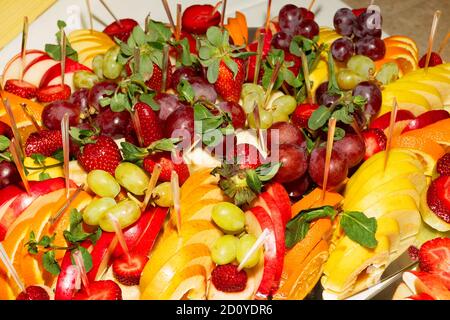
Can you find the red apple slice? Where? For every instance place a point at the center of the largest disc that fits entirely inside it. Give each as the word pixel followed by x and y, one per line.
pixel 12 68
pixel 35 72
pixel 101 254
pixel 426 119
pixel 258 219
pixel 382 122
pixel 282 200
pixel 53 74
pixel 36 60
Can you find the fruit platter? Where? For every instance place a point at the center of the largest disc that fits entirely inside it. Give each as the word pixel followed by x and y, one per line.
pixel 199 159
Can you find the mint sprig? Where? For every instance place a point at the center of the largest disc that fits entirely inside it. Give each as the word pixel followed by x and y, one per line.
pixel 54 50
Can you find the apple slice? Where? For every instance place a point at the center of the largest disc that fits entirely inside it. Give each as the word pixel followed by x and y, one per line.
pixel 53 74
pixel 382 122
pixel 278 192
pixel 12 68
pixel 101 254
pixel 257 219
pixel 35 72
pixel 426 119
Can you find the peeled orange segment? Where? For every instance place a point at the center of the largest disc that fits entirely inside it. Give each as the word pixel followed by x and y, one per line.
pixel 314 200
pixel 438 132
pixel 407 100
pixel 429 92
pixel 429 151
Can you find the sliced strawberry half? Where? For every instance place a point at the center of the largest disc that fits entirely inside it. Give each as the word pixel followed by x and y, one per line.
pixel 127 269
pixel 54 93
pixel 434 257
pixel 100 290
pixel 121 29
pixel 438 197
pixel 443 165
pixel 431 285
pixel 375 141
pixel 21 88
pixel 435 59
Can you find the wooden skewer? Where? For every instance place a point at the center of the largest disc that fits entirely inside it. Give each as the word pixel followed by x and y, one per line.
pixel 269 6
pixel 165 68
pixel 147 21
pixel 178 26
pixel 256 246
pixel 66 151
pixel 30 116
pixel 224 10
pixel 258 58
pixel 13 148
pixel 390 132
pixel 63 209
pixel 443 43
pixel 305 68
pixel 176 200
pixel 272 83
pixel 137 127
pixel 169 15
pixel 14 128
pixel 437 15
pixel 119 235
pixel 330 142
pixel 151 185
pixel 111 12
pixel 12 271
pixel 78 258
pixel 311 4
pixel 137 60
pixel 23 50
pixel 256 115
pixel 63 57
pixel 91 18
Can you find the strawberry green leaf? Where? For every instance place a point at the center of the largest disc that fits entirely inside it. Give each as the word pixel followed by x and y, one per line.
pixel 157 31
pixel 253 181
pixel 215 36
pixel 132 153
pixel 186 91
pixel 267 171
pixel 138 35
pixel 213 71
pixel 148 98
pixel 232 65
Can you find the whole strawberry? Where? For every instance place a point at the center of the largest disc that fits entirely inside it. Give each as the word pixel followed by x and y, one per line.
pixel 443 165
pixel 156 81
pixel 302 113
pixel 167 166
pixel 225 63
pixel 44 142
pixel 99 153
pixel 149 123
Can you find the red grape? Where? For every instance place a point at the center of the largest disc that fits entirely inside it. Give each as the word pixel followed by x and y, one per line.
pixel 55 111
pixel 307 28
pixel 238 116
pixel 374 48
pixel 168 103
pixel 294 162
pixel 338 167
pixel 306 14
pixel 180 123
pixel 113 124
pixel 297 188
pixel 5 130
pixel 342 49
pixel 282 40
pixel 323 97
pixel 99 91
pixel 362 29
pixel 80 98
pixel 284 133
pixel 183 73
pixel 351 148
pixel 289 18
pixel 203 89
pixel 8 174
pixel 343 22
pixel 372 93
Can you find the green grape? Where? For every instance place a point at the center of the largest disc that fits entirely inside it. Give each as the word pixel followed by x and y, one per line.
pixel 126 212
pixel 285 104
pixel 229 217
pixel 224 249
pixel 84 79
pixel 163 195
pixel 244 245
pixel 132 178
pixel 362 65
pixel 111 68
pixel 251 100
pixel 95 210
pixel 347 79
pixel 265 118
pixel 248 88
pixel 388 73
pixel 97 65
pixel 103 184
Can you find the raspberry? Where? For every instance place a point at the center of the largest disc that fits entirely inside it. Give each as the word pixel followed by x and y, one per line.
pixel 227 278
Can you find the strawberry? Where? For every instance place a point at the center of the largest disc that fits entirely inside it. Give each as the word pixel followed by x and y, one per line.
pixel 443 165
pixel 167 166
pixel 225 63
pixel 435 59
pixel 434 257
pixel 375 141
pixel 413 253
pixel 127 270
pixel 198 18
pixel 44 142
pixel 155 82
pixel 121 29
pixel 149 123
pixel 431 284
pixel 100 153
pixel 227 278
pixel 438 197
pixel 21 88
pixel 246 156
pixel 100 290
pixel 358 12
pixel 253 47
pixel 34 293
pixel 302 114
pixel 53 93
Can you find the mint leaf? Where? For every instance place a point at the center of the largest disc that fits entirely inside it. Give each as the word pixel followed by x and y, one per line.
pixel 44 176
pixel 4 143
pixel 87 258
pixel 358 227
pixel 38 158
pixel 50 263
pixel 319 118
pixel 76 232
pixel 253 181
pixel 267 171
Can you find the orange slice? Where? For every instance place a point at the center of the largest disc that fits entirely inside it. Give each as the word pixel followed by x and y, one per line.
pixel 406 60
pixel 400 44
pixel 407 40
pixel 438 132
pixel 314 200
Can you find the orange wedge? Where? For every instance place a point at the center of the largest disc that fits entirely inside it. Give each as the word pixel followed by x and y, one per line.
pixel 314 200
pixel 400 44
pixel 406 40
pixel 438 132
pixel 429 151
